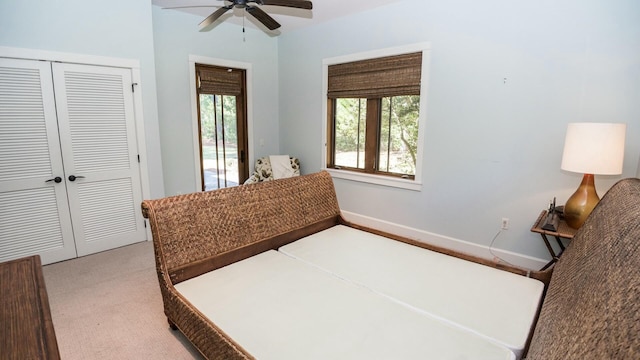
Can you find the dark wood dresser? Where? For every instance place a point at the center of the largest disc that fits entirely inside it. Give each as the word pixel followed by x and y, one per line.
pixel 26 329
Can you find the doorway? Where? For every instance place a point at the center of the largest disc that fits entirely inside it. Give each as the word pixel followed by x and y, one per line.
pixel 222 126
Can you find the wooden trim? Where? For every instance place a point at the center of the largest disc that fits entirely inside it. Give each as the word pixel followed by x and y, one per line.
pixel 242 131
pixel 201 267
pixel 543 276
pixel 371 137
pixel 199 139
pixel 198 268
pixel 330 145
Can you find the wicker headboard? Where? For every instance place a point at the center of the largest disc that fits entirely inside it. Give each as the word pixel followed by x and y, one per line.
pixel 199 232
pixel 592 306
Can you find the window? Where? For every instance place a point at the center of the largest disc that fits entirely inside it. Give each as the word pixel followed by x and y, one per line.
pixel 393 128
pixel 222 125
pixel 373 116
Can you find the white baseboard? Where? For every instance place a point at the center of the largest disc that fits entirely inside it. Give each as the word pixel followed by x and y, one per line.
pixel 524 261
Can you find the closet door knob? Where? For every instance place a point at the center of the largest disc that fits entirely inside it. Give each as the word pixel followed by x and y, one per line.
pixel 56 179
pixel 73 177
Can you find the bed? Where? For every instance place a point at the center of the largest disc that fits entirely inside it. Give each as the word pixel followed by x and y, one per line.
pixel 272 271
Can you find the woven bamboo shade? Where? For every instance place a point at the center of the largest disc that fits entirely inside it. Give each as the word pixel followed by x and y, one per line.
pixel 219 81
pixel 387 76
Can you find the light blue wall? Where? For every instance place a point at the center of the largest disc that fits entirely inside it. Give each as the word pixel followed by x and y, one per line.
pixel 118 28
pixel 176 37
pixel 493 149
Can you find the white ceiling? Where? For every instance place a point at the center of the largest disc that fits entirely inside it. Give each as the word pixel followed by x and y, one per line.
pixel 290 19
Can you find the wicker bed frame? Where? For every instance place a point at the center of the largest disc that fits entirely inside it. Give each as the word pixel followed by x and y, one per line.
pixel 200 232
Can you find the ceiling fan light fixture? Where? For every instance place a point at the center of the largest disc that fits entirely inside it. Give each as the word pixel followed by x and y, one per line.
pixel 260 15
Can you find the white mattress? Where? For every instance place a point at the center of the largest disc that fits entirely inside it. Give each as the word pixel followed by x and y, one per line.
pixel 277 307
pixel 489 302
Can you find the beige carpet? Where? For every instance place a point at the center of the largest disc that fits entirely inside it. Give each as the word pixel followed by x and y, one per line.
pixel 108 306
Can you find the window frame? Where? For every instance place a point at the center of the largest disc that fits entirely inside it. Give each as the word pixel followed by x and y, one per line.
pixel 378 178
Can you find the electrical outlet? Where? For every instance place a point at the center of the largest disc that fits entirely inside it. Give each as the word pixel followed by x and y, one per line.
pixel 505 224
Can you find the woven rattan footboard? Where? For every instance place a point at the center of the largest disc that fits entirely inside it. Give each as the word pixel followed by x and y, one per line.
pixel 200 232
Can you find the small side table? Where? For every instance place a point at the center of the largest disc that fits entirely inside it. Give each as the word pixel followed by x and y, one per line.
pixel 564 232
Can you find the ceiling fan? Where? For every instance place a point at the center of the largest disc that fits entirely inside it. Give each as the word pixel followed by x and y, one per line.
pixel 251 8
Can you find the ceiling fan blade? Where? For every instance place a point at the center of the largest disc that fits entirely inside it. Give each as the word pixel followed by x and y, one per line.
pixel 300 4
pixel 263 17
pixel 213 17
pixel 189 6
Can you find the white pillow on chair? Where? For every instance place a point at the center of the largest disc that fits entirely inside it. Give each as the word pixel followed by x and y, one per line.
pixel 281 166
pixel 265 172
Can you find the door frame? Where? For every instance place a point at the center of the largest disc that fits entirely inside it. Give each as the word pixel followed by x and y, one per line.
pixel 131 64
pixel 195 126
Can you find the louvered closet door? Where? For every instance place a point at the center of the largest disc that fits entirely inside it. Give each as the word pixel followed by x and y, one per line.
pixel 34 213
pixel 98 140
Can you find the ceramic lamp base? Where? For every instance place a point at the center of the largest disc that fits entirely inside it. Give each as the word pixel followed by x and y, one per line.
pixel 581 203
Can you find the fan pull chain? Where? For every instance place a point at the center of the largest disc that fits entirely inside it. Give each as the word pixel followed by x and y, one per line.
pixel 244 39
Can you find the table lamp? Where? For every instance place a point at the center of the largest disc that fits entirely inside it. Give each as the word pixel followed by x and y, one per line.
pixel 591 149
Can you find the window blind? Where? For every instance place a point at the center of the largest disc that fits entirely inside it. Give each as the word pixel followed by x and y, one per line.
pixel 219 81
pixel 386 76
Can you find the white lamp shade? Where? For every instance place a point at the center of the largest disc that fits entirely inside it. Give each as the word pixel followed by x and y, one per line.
pixel 594 148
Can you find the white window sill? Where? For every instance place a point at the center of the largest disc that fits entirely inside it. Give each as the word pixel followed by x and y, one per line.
pixel 376 179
